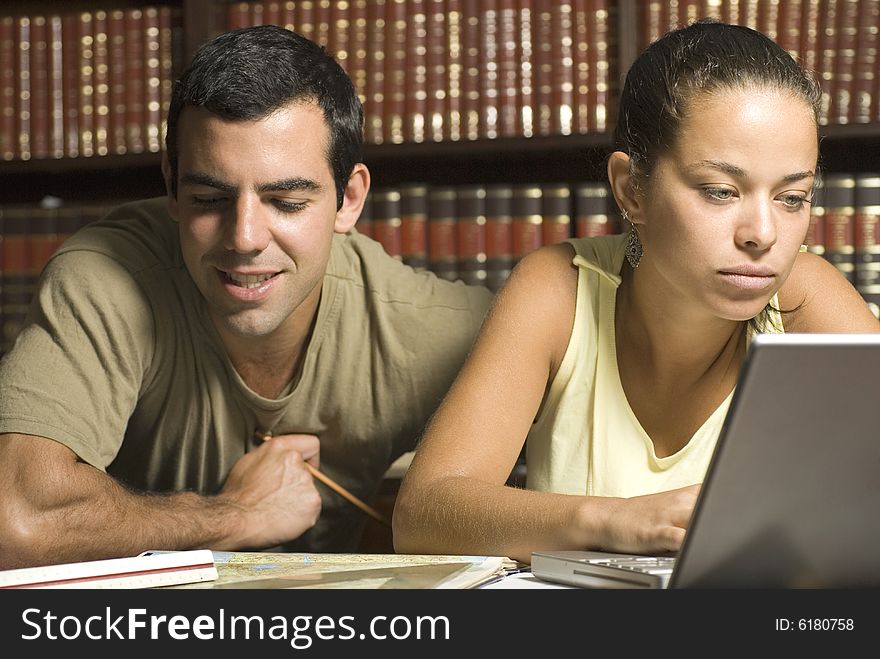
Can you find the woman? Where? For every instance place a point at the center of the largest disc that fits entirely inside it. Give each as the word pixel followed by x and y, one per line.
pixel 616 357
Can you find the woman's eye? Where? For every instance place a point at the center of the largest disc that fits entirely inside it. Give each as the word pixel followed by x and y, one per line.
pixel 794 201
pixel 719 194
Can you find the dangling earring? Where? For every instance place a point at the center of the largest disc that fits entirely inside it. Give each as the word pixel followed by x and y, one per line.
pixel 633 243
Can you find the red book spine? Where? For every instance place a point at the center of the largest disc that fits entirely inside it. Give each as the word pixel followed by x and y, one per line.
pixel 101 56
pixel 8 87
pixel 839 201
pixel 386 221
pixel 340 32
pixel 748 13
pixel 70 82
pixel 39 83
pixel 768 19
pixel 56 87
pixel 865 76
pixel 15 255
pixel 525 75
pixel 827 57
pixel 23 87
pixel 543 69
pixel 847 36
pixel 499 234
pixel 356 66
pixel 305 18
pixel 526 228
pixel 601 64
pixel 134 81
pixel 152 80
pixel 375 105
pixel 395 71
pixel 809 41
pixel 653 23
pixel 471 81
pixel 442 238
pixel 488 55
pixel 454 69
pixel 238 14
pixel 581 65
pixel 815 238
pixel 86 84
pixel 591 210
pixel 288 15
pixel 508 55
pixel 867 238
pixel 415 88
pixel 472 268
pixel 556 212
pixel 414 224
pixel 272 12
pixel 322 23
pixel 435 67
pixel 562 61
pixel 118 73
pixel 789 30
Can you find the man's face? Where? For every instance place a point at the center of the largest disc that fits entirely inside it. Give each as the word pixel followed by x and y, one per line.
pixel 256 204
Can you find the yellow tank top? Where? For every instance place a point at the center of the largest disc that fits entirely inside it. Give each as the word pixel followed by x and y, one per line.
pixel 587 440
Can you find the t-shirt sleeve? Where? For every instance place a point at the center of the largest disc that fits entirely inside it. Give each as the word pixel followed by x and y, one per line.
pixel 77 366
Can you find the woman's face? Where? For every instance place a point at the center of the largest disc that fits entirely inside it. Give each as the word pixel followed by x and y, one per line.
pixel 727 208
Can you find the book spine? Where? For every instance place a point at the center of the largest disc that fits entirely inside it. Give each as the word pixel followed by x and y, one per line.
pixel 375 105
pixel 116 140
pixel 591 210
pixel 86 97
pixel 789 31
pixel 15 255
pixel 839 202
pixel 152 80
pixel 442 238
pixel 39 84
pixel 386 221
pixel 581 63
pixel 322 24
pixel 358 52
pixel 847 36
pixel 865 76
pixel 809 37
pixel 414 224
pixel 827 58
pixel 23 87
pixel 416 89
pixel 768 19
pixel 601 65
pixel 56 87
pixel 525 80
pixel 454 69
pixel 272 12
pixel 543 69
pixel 556 211
pixel 499 234
pixel 489 69
pixel 70 81
pixel 340 31
pixel 305 18
pixel 472 268
pixel 395 71
pixel 435 66
pixel 653 24
pixel 471 82
pixel 507 51
pixel 526 228
pixel 238 15
pixel 815 238
pixel 562 63
pixel 170 51
pixel 867 238
pixel 748 13
pixel 134 81
pixel 8 87
pixel 101 57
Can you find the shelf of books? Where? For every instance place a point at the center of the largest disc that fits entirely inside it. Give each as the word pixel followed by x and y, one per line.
pixel 487 122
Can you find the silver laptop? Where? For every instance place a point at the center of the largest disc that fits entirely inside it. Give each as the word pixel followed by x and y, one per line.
pixel 791 498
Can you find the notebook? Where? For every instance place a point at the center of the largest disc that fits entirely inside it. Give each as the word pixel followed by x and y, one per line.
pixel 791 498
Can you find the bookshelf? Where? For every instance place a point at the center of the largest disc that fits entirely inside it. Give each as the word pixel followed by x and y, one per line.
pixel 504 92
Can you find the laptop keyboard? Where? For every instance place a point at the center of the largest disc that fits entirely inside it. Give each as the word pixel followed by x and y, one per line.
pixel 658 565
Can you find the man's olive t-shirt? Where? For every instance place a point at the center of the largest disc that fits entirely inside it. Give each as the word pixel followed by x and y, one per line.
pixel 120 362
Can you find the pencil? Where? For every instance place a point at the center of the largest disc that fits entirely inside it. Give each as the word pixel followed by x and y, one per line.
pixel 336 487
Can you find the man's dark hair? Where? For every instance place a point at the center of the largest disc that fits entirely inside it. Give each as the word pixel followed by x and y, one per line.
pixel 246 74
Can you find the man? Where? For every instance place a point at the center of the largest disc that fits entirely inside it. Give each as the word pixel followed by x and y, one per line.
pixel 166 339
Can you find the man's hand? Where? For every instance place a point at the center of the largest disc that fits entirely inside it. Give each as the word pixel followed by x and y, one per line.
pixel 275 491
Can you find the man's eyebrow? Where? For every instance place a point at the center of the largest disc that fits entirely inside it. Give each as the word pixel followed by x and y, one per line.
pixel 739 172
pixel 291 185
pixel 198 178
